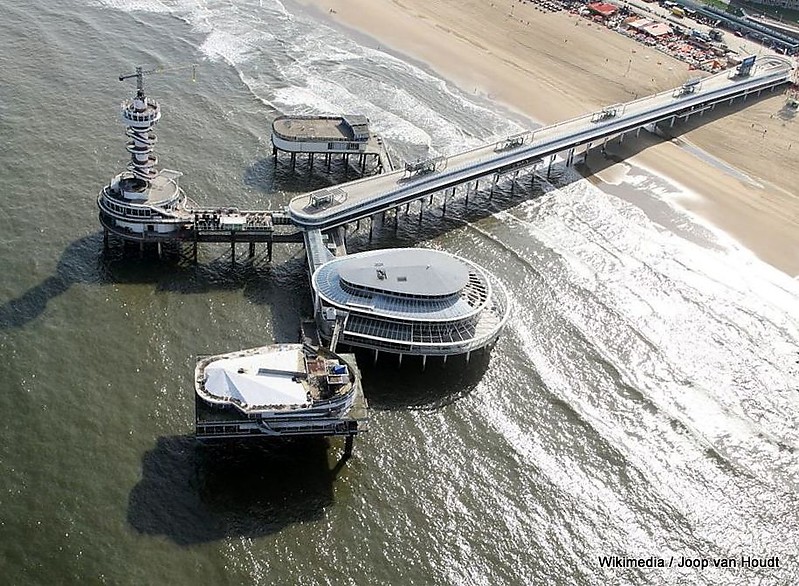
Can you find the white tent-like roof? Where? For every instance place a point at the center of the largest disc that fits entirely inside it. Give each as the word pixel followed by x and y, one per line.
pixel 243 381
pixel 658 29
pixel 640 24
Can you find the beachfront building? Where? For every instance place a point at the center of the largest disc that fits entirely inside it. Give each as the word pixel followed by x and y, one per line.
pixel 408 301
pixel 603 9
pixel 650 27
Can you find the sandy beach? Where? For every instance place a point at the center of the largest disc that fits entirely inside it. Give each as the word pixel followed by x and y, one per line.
pixel 552 66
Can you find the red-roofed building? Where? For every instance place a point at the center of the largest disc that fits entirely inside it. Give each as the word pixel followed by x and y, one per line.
pixel 603 9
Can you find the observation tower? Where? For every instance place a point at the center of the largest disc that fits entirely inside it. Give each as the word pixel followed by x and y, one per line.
pixel 143 203
pixel 409 301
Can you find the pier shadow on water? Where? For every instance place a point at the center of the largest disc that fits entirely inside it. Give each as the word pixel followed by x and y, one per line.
pixel 195 493
pixel 79 263
pixel 85 261
pixel 267 177
pixel 389 386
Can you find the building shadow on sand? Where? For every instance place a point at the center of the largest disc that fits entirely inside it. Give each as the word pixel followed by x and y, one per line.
pixel 193 493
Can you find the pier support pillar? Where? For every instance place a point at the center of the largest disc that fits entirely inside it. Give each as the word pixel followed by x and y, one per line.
pixel 730 102
pixel 638 132
pixel 141 249
pixel 400 360
pixel 671 122
pixel 310 161
pixel 493 185
pixel 252 249
pixel 549 167
pixel 377 353
pixel 194 251
pixel 468 355
pixel 274 156
pixel 232 249
pixel 621 138
pixel 348 444
pixel 371 226
pixel 444 205
pixel 424 361
pixel 158 248
pixel 363 164
pixel 293 160
pixel 269 251
pixel 445 358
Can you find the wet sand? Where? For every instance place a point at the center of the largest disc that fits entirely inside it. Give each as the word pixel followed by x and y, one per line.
pixel 552 66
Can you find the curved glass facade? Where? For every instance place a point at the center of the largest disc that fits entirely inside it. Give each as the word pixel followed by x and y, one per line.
pixel 410 318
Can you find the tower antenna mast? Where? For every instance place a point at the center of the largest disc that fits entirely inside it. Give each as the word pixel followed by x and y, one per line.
pixel 140 73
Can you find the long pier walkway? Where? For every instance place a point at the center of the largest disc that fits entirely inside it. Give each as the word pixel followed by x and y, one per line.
pixel 335 206
pixel 217 225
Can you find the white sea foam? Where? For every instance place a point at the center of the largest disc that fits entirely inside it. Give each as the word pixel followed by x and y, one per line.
pixel 739 321
pixel 298 66
pixel 156 6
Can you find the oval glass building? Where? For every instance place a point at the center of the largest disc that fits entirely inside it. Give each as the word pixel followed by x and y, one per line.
pixel 409 301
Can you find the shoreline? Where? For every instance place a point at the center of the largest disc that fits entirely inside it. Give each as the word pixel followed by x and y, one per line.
pixel 476 44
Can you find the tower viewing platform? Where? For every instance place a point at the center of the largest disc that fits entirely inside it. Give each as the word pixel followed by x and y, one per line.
pixel 142 199
pixel 145 204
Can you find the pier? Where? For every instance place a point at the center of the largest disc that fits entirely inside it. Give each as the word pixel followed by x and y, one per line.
pixel 415 302
pixel 145 206
pixel 219 225
pixel 570 140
